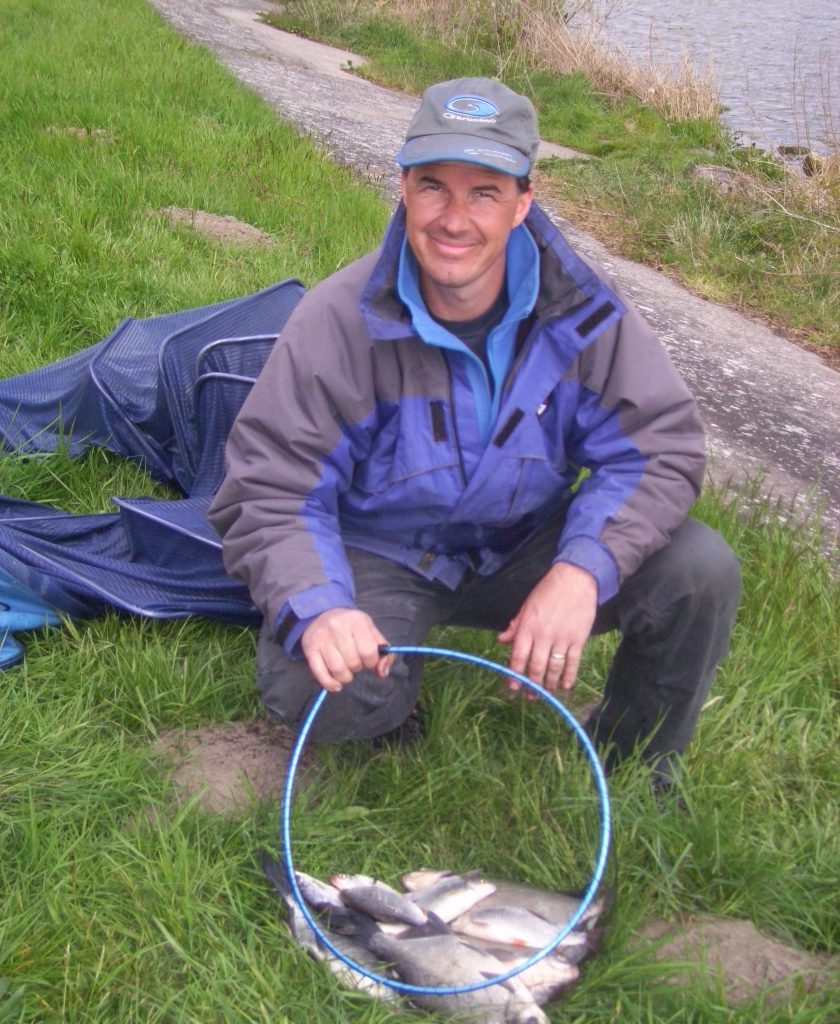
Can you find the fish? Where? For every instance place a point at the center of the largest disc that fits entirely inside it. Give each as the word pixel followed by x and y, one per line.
pixel 447 930
pixel 342 880
pixel 512 926
pixel 488 918
pixel 422 878
pixel 320 895
pixel 545 979
pixel 452 895
pixel 304 935
pixel 556 907
pixel 441 961
pixel 384 903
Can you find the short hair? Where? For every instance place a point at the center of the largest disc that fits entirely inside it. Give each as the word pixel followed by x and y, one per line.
pixel 523 183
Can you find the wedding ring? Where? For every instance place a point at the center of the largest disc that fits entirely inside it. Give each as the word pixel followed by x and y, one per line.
pixel 559 657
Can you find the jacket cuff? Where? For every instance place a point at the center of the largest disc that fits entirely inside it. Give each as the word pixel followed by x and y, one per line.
pixel 588 554
pixel 301 609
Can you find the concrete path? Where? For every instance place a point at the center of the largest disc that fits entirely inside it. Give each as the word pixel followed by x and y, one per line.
pixel 772 410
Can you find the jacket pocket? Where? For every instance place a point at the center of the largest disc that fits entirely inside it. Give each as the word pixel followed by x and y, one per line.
pixel 412 454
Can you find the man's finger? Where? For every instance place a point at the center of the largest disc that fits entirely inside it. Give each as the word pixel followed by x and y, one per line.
pixel 323 676
pixel 570 669
pixel 384 665
pixel 554 671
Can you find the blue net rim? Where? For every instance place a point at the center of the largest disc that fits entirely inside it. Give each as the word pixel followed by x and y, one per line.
pixel 588 894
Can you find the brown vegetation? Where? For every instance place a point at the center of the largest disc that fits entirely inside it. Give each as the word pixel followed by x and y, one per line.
pixel 558 37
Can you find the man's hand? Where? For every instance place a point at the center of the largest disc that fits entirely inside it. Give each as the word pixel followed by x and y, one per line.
pixel 548 633
pixel 341 642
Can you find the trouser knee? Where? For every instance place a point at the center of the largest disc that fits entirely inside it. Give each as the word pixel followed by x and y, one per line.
pixel 691 587
pixel 706 567
pixel 367 707
pixel 675 615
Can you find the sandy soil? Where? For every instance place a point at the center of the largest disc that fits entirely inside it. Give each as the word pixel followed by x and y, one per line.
pixel 219 228
pixel 231 767
pixel 736 958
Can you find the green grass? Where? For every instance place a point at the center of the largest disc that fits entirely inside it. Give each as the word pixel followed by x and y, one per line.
pixel 81 244
pixel 771 249
pixel 118 904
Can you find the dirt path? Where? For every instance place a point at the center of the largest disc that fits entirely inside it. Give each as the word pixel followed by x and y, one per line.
pixel 771 409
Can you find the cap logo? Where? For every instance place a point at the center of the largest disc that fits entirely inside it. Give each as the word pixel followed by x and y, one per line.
pixel 471 106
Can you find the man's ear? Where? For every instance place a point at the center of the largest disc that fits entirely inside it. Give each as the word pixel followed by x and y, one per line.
pixel 403 182
pixel 524 205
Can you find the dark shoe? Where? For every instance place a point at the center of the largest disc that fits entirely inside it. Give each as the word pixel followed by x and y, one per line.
pixel 405 735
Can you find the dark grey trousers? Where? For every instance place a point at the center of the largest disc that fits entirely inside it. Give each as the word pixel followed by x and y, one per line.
pixel 675 615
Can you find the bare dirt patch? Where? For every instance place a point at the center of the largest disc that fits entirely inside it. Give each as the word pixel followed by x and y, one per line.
pixel 97 134
pixel 219 228
pixel 737 956
pixel 230 767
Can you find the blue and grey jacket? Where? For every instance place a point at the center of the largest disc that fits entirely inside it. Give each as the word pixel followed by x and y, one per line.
pixel 373 427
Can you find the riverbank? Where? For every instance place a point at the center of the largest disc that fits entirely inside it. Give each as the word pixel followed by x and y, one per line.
pixel 751 234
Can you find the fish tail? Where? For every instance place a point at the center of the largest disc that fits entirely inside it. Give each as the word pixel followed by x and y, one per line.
pixel 273 871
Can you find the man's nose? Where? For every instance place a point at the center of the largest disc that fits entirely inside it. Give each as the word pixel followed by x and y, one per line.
pixel 455 215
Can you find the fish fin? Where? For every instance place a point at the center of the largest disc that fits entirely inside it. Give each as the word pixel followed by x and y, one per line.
pixel 436 924
pixel 433 925
pixel 514 985
pixel 364 928
pixel 608 897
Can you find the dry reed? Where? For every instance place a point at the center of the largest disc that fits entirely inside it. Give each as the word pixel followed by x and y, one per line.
pixel 560 38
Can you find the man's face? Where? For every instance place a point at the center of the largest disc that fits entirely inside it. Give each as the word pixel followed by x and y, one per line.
pixel 458 218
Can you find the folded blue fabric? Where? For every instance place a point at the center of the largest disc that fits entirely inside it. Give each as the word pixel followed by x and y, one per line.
pixel 162 391
pixel 20 608
pixel 11 652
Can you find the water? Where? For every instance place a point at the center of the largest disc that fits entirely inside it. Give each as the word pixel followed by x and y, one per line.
pixel 777 62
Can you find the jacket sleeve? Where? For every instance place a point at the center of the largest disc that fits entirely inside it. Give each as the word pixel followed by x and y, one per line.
pixel 638 433
pixel 290 455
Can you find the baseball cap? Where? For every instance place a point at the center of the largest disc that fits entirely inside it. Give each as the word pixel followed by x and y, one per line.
pixel 475 121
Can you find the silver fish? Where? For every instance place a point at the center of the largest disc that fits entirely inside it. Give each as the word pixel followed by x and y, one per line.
pixel 556 907
pixel 493 926
pixel 512 926
pixel 319 895
pixel 303 934
pixel 443 961
pixel 383 903
pixel 342 880
pixel 452 895
pixel 423 878
pixel 545 980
